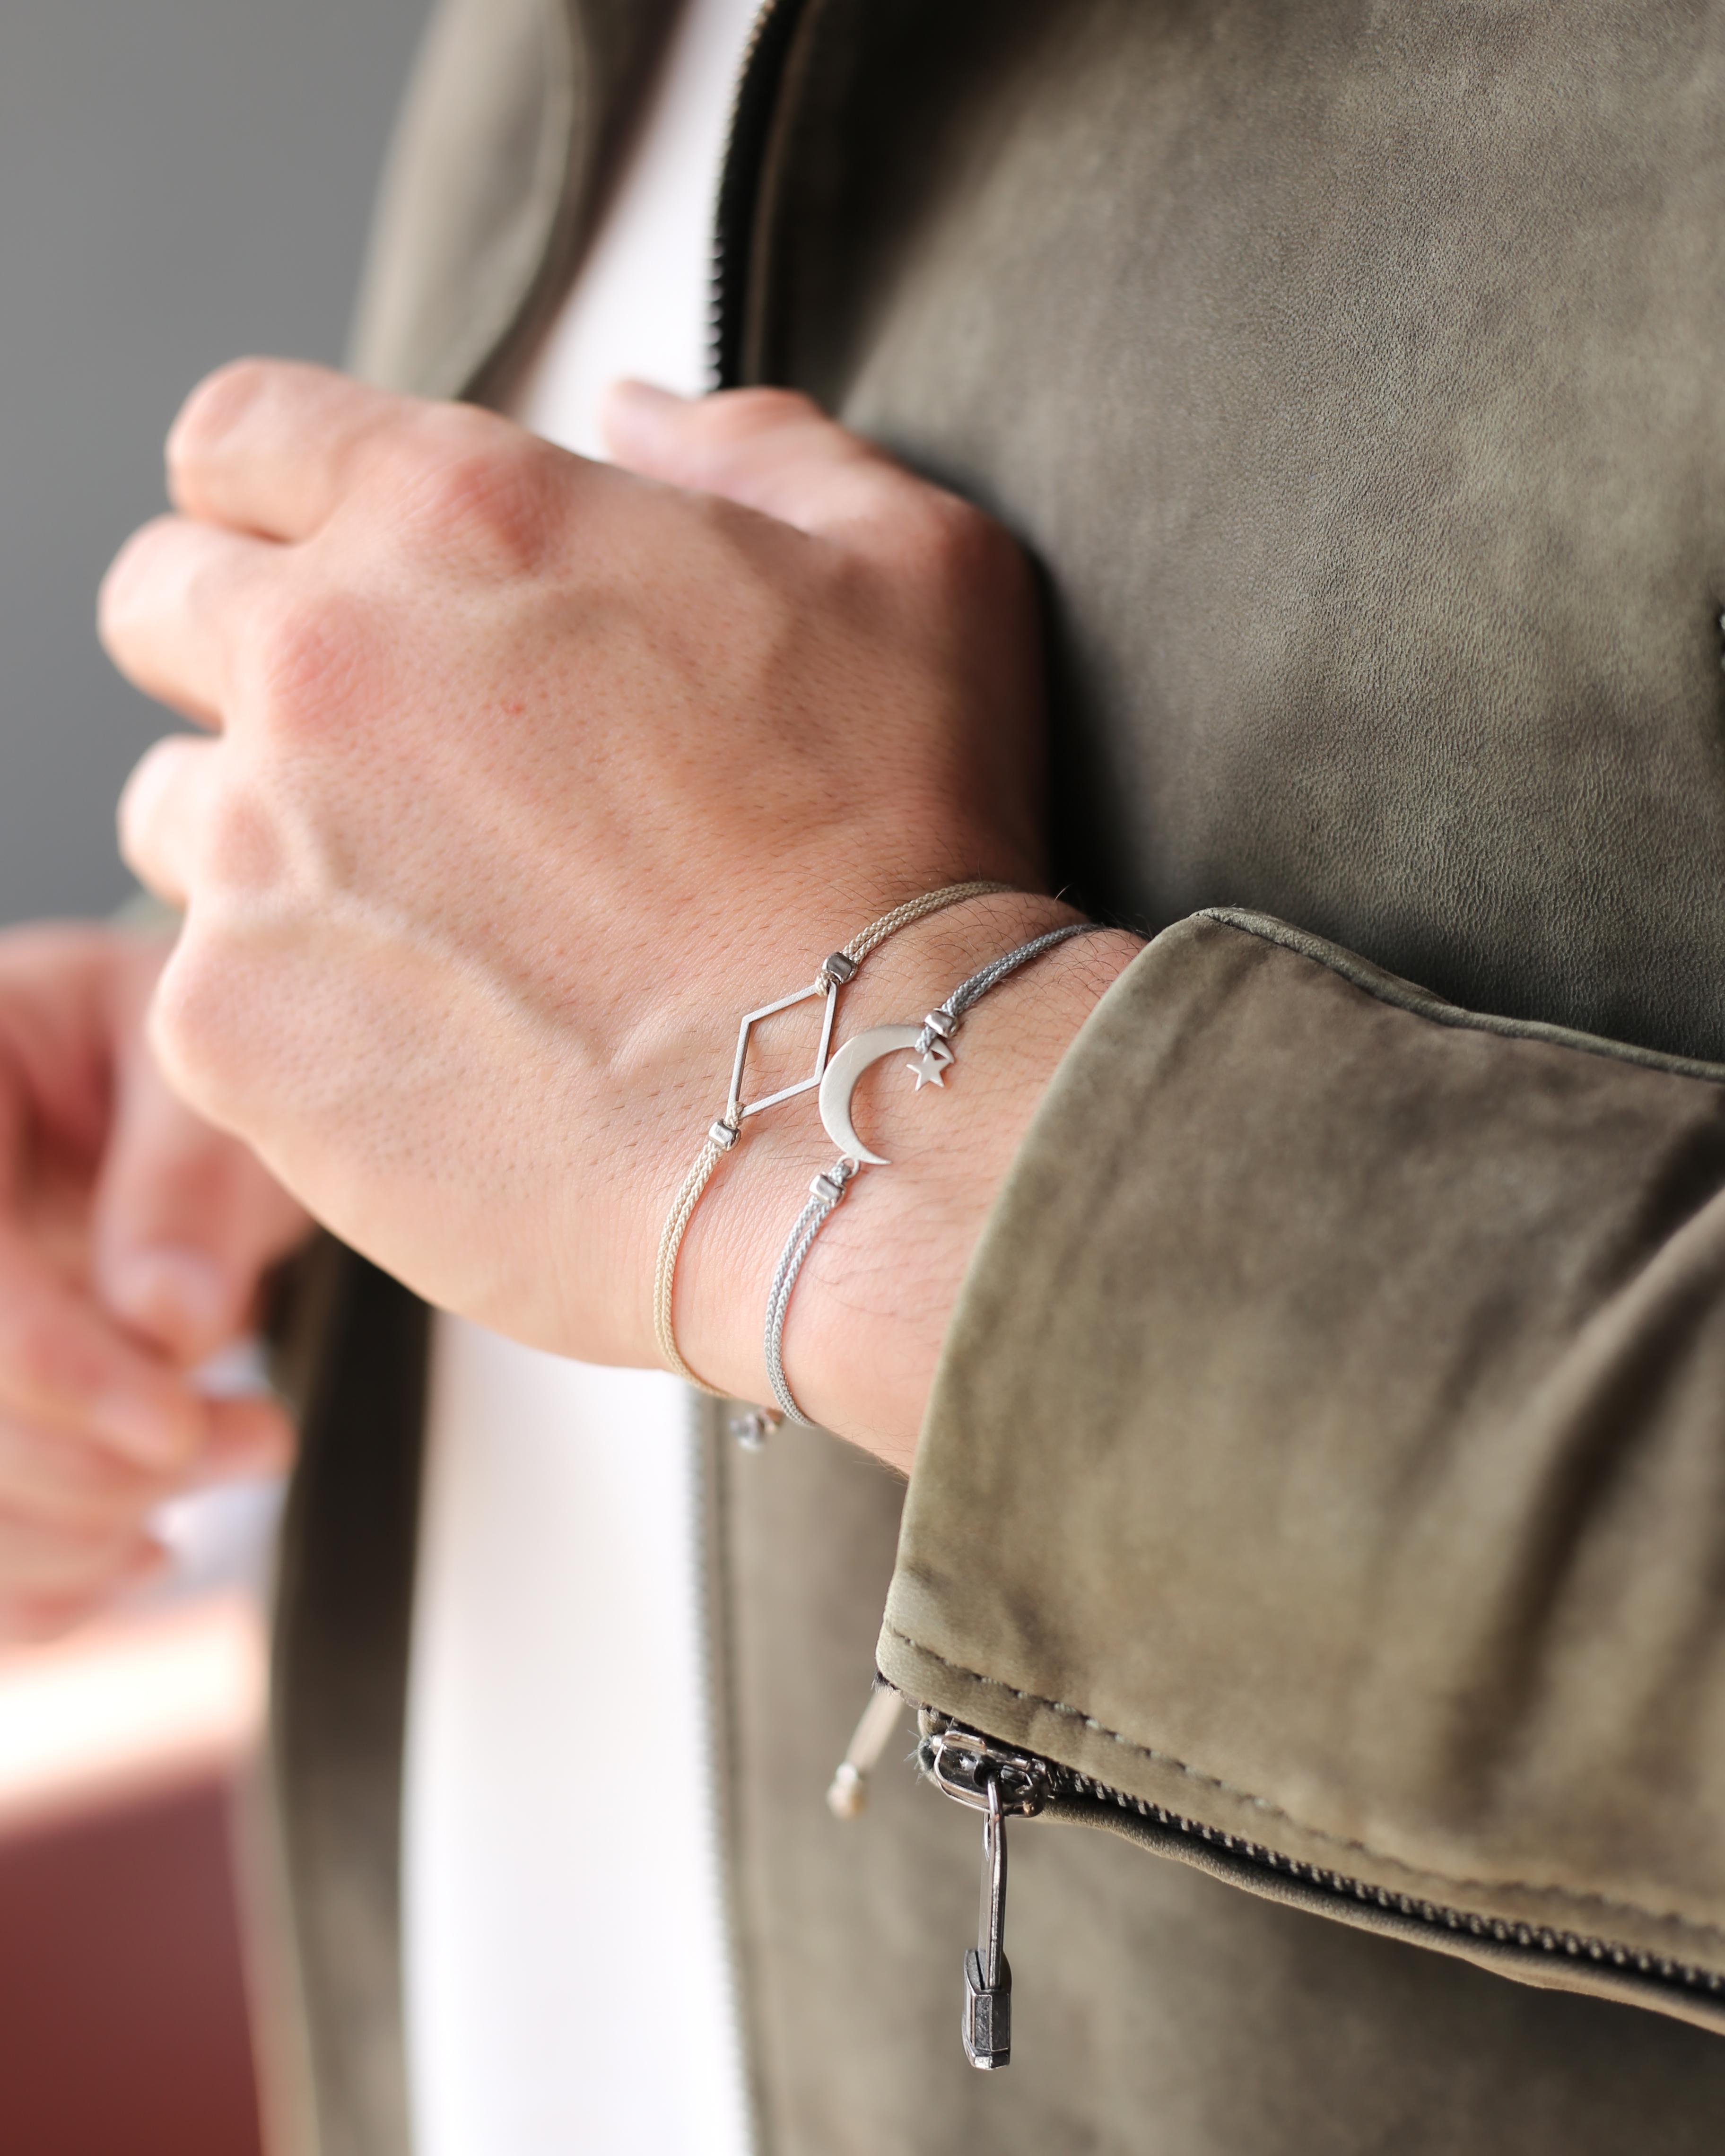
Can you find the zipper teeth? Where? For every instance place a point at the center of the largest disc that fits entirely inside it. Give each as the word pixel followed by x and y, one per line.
pixel 752 105
pixel 1577 1946
pixel 1580 1946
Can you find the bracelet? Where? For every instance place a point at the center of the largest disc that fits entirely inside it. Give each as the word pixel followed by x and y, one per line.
pixel 835 971
pixel 934 1056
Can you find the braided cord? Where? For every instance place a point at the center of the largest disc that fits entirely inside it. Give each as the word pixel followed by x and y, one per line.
pixel 664 1273
pixel 990 976
pixel 693 1186
pixel 827 1191
pixel 916 909
pixel 826 1195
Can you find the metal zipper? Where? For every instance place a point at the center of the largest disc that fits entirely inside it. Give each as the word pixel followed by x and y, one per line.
pixel 986 1777
pixel 1002 1782
pixel 751 115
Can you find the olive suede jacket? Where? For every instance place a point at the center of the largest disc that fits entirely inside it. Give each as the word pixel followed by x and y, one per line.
pixel 1326 1472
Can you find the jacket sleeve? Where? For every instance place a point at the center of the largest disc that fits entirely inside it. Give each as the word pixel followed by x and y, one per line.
pixel 1326 1465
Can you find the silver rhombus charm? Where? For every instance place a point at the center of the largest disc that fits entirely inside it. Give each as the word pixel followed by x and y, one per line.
pixel 826 987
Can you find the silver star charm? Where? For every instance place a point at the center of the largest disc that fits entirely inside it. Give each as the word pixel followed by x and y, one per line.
pixel 929 1069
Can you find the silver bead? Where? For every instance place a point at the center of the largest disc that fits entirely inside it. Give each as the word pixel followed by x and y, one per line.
pixel 724 1135
pixel 837 970
pixel 941 1023
pixel 753 1427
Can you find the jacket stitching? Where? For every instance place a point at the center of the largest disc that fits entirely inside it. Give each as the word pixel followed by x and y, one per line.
pixel 1408 996
pixel 1317 1833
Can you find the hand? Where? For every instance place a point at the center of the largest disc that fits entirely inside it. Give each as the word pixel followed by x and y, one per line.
pixel 532 774
pixel 132 1239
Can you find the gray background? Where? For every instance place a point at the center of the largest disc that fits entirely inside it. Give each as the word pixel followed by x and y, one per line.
pixel 180 181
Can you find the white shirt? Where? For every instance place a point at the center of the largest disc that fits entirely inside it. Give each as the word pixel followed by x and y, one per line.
pixel 568 1968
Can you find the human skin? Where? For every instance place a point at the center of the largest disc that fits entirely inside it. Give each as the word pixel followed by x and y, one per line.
pixel 132 1241
pixel 529 775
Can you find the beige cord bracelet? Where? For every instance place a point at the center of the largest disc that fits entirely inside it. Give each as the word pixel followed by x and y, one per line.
pixel 835 971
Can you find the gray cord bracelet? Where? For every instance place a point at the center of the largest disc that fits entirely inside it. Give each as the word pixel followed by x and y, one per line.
pixel 931 1044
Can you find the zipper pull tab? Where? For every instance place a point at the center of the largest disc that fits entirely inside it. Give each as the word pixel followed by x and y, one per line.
pixel 848 1792
pixel 988 1973
pixel 1000 1783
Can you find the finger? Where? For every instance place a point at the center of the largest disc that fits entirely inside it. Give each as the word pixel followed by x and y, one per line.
pixel 32 1620
pixel 65 1365
pixel 187 1220
pixel 39 1561
pixel 161 811
pixel 172 605
pixel 270 446
pixel 769 449
pixel 64 1478
pixel 64 1481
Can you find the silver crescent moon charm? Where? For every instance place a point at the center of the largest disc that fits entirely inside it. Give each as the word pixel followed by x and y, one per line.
pixel 839 1083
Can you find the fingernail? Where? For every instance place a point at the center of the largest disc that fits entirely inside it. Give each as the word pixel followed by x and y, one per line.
pixel 175 1296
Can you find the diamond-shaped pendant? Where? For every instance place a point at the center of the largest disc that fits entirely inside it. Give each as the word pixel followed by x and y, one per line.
pixel 826 991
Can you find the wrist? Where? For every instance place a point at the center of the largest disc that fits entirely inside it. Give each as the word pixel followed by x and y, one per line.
pixel 875 1297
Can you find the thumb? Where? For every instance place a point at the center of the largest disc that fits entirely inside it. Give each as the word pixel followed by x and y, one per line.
pixel 768 449
pixel 186 1220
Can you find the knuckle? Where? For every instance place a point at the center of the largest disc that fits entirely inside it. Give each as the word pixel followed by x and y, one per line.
pixel 239 849
pixel 301 653
pixel 484 497
pixel 958 554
